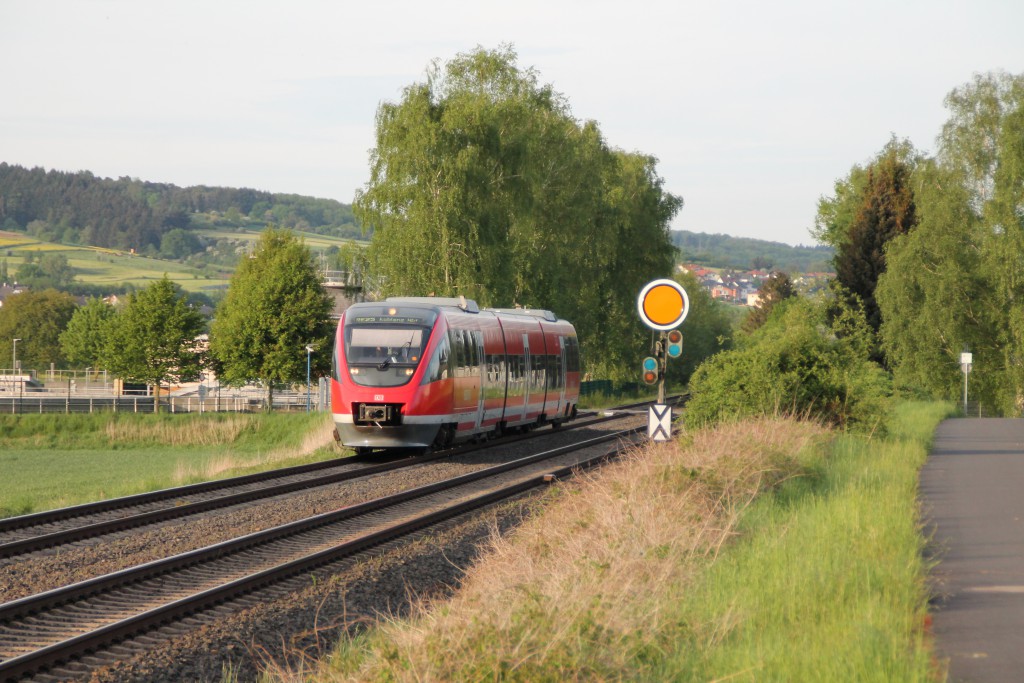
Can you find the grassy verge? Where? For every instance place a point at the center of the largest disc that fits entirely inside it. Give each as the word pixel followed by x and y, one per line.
pixel 600 400
pixel 765 550
pixel 828 582
pixel 52 461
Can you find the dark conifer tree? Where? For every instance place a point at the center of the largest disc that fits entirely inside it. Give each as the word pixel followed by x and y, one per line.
pixel 777 288
pixel 887 210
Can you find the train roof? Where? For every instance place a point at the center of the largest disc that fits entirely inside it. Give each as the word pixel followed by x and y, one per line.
pixel 470 306
pixel 532 312
pixel 461 302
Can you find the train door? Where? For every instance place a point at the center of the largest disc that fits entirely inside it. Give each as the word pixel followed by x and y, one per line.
pixel 466 362
pixel 562 373
pixel 521 399
pixel 528 378
pixel 481 370
pixel 514 376
pixel 555 375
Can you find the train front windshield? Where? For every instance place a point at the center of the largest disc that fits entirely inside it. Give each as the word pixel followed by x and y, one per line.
pixel 380 354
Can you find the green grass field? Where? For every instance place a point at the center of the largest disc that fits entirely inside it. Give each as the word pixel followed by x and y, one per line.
pixel 314 241
pixel 51 461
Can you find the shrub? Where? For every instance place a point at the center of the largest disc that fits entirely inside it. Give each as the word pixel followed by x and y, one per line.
pixel 795 364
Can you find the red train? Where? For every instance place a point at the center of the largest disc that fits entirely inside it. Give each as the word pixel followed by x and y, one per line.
pixel 431 371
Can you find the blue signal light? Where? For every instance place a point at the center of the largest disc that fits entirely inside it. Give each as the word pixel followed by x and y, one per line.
pixel 675 343
pixel 650 364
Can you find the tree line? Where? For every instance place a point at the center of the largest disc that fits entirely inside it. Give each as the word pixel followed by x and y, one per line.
pixel 954 281
pixel 483 184
pixel 275 307
pixel 928 261
pixel 81 208
pixel 744 253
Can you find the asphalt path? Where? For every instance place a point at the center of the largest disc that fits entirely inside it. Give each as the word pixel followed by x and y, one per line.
pixel 972 491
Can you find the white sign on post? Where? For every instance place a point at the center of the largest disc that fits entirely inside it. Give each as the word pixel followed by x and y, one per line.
pixel 659 423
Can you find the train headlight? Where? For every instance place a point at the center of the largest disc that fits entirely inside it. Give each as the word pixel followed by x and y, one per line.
pixel 408 372
pixel 354 371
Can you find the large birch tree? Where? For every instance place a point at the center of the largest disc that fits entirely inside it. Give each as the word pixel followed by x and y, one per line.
pixel 955 283
pixel 483 184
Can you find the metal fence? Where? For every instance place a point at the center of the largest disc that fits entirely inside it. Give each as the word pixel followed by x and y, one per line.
pixel 38 403
pixel 977 409
pixel 76 396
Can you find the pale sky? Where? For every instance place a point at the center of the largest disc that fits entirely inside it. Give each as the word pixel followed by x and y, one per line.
pixel 754 108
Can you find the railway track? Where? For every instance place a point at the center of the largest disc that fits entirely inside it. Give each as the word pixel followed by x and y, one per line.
pixel 43 632
pixel 28 533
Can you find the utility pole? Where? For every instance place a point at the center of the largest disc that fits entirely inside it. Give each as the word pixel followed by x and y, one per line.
pixel 309 353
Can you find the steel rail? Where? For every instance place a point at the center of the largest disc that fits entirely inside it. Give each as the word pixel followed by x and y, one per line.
pixel 91 530
pixel 57 653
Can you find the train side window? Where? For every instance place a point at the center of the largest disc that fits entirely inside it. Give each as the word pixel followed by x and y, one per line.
pixel 335 371
pixel 537 371
pixel 439 367
pixel 555 372
pixel 495 369
pixel 462 354
pixel 572 354
pixel 476 343
pixel 458 357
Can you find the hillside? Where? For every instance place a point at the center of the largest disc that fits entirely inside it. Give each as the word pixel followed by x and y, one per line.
pixel 100 271
pixel 202 228
pixel 744 253
pixel 129 214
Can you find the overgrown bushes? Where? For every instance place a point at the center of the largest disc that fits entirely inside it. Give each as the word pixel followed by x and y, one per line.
pixel 798 363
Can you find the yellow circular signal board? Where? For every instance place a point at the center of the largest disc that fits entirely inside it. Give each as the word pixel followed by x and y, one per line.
pixel 663 304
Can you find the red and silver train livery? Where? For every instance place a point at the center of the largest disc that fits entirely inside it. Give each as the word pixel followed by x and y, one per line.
pixel 429 371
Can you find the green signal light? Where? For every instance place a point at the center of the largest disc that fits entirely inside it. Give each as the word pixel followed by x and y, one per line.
pixel 650 364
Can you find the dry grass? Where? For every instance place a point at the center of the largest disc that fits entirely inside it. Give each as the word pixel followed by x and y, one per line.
pixel 570 596
pixel 179 433
pixel 319 437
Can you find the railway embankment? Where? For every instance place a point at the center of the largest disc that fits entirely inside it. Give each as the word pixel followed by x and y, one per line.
pixel 768 548
pixel 761 550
